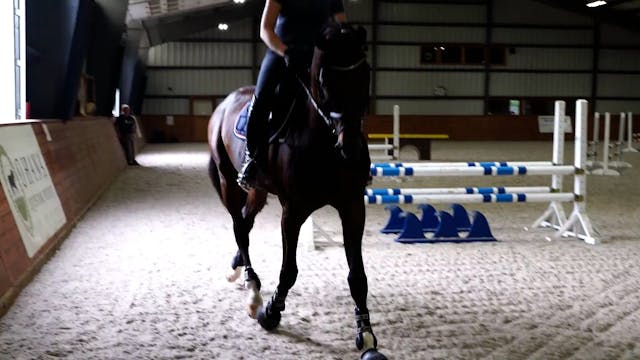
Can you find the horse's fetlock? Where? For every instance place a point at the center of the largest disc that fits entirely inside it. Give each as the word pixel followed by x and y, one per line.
pixel 251 279
pixel 277 305
pixel 277 302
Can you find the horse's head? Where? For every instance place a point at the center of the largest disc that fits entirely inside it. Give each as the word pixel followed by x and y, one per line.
pixel 340 83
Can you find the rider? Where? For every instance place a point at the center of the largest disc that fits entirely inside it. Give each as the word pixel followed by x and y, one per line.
pixel 288 28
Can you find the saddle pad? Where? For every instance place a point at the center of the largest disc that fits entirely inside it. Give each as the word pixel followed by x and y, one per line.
pixel 240 127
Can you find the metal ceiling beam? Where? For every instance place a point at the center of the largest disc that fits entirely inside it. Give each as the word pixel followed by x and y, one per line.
pixel 602 13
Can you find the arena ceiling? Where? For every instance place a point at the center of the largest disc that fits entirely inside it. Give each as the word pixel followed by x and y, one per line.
pixel 624 13
pixel 168 20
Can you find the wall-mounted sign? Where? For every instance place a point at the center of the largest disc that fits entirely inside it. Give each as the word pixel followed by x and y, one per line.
pixel 545 124
pixel 28 187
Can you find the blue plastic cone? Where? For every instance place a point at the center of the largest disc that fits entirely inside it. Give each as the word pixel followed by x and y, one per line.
pixel 447 228
pixel 480 230
pixel 395 222
pixel 460 217
pixel 412 231
pixel 429 218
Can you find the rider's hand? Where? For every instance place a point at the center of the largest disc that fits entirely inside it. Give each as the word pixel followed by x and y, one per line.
pixel 291 58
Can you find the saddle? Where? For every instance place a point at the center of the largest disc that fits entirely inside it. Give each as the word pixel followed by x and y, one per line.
pixel 287 96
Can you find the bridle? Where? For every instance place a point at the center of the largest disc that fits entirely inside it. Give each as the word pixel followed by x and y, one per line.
pixel 333 120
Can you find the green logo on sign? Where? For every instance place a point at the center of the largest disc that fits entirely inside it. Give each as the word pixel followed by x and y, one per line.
pixel 14 190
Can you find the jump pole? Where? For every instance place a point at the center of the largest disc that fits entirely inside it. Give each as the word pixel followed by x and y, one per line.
pixel 461 190
pixel 605 150
pixel 468 198
pixel 618 163
pixel 630 147
pixel 459 163
pixel 476 171
pixel 396 131
pixel 593 151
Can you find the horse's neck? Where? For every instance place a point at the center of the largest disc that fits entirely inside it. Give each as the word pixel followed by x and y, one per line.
pixel 308 128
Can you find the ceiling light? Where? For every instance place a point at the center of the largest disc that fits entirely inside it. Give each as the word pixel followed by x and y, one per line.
pixel 223 27
pixel 596 3
pixel 238 1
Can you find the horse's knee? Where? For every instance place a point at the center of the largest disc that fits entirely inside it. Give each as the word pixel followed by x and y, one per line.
pixel 357 277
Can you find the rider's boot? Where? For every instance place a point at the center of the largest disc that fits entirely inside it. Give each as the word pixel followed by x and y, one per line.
pixel 255 155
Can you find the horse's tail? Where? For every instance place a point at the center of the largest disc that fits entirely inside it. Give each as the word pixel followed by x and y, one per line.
pixel 214 175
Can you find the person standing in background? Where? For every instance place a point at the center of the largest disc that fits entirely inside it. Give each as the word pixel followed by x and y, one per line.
pixel 126 127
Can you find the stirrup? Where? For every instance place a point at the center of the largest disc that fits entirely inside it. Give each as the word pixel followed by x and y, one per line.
pixel 247 177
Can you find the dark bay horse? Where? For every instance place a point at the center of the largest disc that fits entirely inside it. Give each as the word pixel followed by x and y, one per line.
pixel 322 160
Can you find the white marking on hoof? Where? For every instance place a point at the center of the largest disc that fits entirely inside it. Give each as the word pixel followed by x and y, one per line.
pixel 367 341
pixel 233 275
pixel 254 299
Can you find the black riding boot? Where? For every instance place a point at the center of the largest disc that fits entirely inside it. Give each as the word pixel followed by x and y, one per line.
pixel 255 155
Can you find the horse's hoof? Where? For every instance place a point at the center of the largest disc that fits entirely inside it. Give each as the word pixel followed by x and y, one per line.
pixel 234 274
pixel 372 354
pixel 268 321
pixel 252 310
pixel 254 303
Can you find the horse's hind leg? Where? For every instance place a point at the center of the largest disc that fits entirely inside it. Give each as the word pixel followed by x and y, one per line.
pixel 243 210
pixel 237 263
pixel 352 216
pixel 243 219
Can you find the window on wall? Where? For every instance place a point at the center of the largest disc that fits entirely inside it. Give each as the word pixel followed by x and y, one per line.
pixel 497 55
pixel 456 54
pixel 428 54
pixel 514 107
pixel 451 55
pixel 474 55
pixel 12 62
pixel 19 45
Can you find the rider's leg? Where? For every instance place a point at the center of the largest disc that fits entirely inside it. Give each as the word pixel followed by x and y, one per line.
pixel 270 74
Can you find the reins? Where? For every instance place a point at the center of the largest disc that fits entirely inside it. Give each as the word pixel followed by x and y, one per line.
pixel 329 120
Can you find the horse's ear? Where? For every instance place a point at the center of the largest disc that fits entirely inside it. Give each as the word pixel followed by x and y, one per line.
pixel 361 34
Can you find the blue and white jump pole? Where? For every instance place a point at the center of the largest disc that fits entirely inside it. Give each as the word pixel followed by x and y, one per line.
pixel 577 225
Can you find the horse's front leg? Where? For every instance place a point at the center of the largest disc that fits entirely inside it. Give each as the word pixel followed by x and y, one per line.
pixel 269 315
pixel 352 215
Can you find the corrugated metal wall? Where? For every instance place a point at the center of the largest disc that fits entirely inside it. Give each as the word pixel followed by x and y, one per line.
pixel 211 63
pixel 550 54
